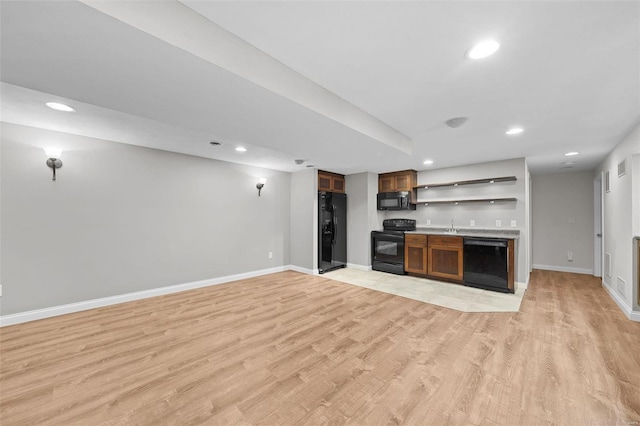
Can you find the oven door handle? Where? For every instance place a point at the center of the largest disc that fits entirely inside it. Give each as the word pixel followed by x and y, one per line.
pixel 389 237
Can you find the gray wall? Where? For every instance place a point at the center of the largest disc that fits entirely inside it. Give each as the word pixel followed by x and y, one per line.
pixel 485 215
pixel 621 220
pixel 362 217
pixel 123 218
pixel 563 221
pixel 304 220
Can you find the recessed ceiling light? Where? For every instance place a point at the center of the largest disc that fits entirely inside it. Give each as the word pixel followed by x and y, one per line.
pixel 572 153
pixel 60 107
pixel 483 49
pixel 241 149
pixel 514 131
pixel 428 162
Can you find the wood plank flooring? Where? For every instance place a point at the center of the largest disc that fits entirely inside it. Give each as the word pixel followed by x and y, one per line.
pixel 294 349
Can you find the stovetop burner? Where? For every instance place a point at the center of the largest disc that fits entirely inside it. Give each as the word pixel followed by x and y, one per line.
pixel 399 225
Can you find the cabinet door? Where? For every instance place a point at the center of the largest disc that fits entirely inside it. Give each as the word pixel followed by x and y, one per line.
pixel 338 184
pixel 415 258
pixel 445 262
pixel 386 184
pixel 404 183
pixel 324 182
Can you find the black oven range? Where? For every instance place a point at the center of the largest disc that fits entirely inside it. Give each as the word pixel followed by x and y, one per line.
pixel 387 246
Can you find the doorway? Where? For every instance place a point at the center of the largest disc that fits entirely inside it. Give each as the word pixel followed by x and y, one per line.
pixel 598 216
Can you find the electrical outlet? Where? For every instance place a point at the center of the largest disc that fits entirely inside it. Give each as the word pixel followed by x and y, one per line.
pixel 498 223
pixel 270 255
pixel 570 256
pixel 428 221
pixel 472 222
pixel 513 223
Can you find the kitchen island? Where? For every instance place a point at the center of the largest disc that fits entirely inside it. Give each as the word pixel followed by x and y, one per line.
pixel 481 258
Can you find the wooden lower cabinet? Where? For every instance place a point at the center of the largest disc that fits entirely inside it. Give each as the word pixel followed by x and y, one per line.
pixel 441 257
pixel 415 254
pixel 445 257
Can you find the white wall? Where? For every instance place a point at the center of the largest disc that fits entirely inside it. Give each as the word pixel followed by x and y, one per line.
pixel 485 215
pixel 362 217
pixel 304 220
pixel 563 222
pixel 123 218
pixel 621 221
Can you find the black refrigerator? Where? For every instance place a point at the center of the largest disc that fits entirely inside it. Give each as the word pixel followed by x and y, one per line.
pixel 332 231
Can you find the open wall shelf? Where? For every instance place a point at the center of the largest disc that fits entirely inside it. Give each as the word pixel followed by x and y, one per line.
pixel 468 201
pixel 467 182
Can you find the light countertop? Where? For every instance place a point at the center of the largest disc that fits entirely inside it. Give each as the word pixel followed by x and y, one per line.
pixel 466 232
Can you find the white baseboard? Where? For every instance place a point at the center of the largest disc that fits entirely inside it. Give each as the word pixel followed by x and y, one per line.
pixel 564 269
pixel 631 314
pixel 302 270
pixel 521 285
pixel 53 311
pixel 359 267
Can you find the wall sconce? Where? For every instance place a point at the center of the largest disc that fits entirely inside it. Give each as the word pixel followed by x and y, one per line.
pixel 53 159
pixel 260 184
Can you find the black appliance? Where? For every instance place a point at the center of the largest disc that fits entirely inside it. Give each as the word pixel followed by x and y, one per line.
pixel 486 263
pixel 332 231
pixel 387 246
pixel 395 201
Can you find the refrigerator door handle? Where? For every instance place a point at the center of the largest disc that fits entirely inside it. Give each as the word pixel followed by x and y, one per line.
pixel 335 225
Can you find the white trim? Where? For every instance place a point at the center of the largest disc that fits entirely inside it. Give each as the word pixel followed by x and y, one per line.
pixel 564 269
pixel 302 270
pixel 359 267
pixel 632 315
pixel 521 285
pixel 53 311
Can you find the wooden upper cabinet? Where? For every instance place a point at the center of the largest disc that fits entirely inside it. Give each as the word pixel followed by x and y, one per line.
pixel 330 182
pixel 397 181
pixel 338 184
pixel 445 257
pixel 386 183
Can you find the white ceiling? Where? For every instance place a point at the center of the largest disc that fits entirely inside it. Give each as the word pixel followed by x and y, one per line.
pixel 343 85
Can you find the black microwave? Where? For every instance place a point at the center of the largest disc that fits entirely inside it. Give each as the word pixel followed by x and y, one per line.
pixel 395 201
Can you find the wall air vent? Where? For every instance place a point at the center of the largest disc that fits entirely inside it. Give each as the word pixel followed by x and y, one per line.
pixel 622 286
pixel 622 168
pixel 607 183
pixel 607 264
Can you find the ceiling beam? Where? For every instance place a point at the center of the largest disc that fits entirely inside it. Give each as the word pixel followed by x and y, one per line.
pixel 182 27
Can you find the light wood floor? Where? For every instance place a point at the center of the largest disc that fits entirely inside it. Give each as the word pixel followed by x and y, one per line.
pixel 295 349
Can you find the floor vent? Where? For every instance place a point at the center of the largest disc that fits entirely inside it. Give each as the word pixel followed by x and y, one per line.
pixel 607 264
pixel 622 167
